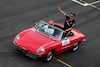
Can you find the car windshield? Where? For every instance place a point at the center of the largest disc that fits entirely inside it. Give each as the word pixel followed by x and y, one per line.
pixel 48 30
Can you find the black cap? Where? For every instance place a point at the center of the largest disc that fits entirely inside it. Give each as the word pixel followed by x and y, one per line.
pixel 73 14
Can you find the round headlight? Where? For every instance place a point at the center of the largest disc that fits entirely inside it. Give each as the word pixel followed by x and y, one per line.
pixel 17 37
pixel 42 49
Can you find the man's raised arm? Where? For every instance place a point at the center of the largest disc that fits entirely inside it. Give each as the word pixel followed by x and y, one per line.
pixel 61 11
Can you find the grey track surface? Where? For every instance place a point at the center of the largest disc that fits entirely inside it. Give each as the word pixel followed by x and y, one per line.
pixel 18 15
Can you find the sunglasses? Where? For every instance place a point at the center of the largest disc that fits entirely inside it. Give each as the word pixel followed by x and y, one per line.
pixel 71 16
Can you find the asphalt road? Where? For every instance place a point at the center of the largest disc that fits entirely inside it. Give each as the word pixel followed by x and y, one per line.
pixel 18 15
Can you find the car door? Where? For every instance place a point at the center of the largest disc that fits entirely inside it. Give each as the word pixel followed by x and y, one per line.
pixel 65 44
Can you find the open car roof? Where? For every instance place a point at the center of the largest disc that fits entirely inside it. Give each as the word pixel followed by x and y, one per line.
pixel 57 32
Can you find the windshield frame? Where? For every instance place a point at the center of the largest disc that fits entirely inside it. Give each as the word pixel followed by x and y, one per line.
pixel 41 21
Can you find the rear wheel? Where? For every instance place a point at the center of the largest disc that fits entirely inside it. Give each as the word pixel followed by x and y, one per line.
pixel 49 56
pixel 75 47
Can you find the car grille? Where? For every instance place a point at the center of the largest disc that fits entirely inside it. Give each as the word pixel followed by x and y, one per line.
pixel 28 53
pixel 31 54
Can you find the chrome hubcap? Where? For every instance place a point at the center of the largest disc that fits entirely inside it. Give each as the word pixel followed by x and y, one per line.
pixel 75 47
pixel 49 56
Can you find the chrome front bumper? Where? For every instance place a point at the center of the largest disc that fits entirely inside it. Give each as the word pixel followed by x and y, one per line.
pixel 26 52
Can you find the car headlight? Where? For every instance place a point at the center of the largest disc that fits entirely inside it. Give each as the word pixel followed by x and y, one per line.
pixel 41 49
pixel 17 37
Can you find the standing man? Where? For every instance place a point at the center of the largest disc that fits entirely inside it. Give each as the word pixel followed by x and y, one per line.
pixel 69 23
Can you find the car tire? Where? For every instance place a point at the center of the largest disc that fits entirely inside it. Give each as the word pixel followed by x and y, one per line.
pixel 48 57
pixel 75 47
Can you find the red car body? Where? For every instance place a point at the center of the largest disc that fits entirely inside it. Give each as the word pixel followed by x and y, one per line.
pixel 32 42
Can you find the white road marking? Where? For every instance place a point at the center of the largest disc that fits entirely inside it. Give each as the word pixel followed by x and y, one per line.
pixel 85 4
pixel 95 2
pixel 80 3
pixel 90 4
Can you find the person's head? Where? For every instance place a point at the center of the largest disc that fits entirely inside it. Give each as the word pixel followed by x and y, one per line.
pixel 72 15
pixel 51 22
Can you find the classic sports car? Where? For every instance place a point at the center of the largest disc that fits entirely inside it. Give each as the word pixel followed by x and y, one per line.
pixel 45 40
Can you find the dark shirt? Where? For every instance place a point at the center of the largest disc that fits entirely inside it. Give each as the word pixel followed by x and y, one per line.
pixel 68 24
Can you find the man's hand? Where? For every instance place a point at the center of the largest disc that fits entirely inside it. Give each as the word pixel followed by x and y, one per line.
pixel 67 30
pixel 59 8
pixel 61 11
pixel 64 31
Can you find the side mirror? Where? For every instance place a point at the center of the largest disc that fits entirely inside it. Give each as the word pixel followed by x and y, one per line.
pixel 65 38
pixel 35 23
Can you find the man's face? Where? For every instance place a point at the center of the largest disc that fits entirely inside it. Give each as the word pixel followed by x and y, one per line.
pixel 71 16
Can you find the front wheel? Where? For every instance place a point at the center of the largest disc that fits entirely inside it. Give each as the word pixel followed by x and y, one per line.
pixel 49 56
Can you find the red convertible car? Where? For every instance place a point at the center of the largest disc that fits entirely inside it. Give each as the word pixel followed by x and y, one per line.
pixel 45 40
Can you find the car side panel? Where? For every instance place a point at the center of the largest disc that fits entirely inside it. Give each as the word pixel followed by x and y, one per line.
pixel 64 48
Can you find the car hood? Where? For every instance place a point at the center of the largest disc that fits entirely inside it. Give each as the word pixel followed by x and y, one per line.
pixel 32 40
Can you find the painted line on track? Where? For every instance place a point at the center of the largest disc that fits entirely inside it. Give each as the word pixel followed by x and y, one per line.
pixel 95 2
pixel 90 4
pixel 83 3
pixel 62 62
